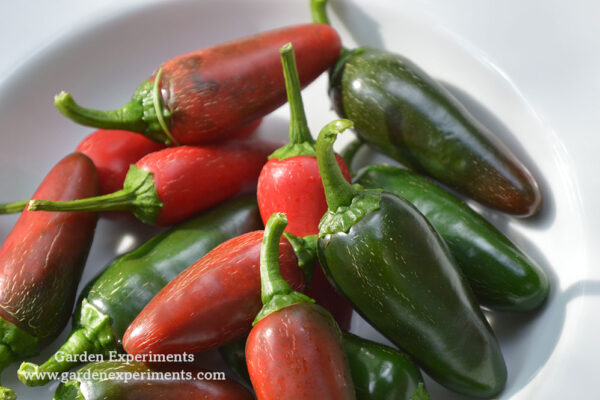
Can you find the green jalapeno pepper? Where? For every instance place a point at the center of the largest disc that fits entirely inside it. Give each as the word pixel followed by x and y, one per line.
pixel 382 254
pixel 501 275
pixel 403 112
pixel 379 372
pixel 116 296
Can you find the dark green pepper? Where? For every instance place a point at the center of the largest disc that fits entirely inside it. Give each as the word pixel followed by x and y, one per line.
pixel 234 355
pixel 406 114
pixel 379 372
pixel 501 275
pixel 116 296
pixel 380 252
pixel 128 381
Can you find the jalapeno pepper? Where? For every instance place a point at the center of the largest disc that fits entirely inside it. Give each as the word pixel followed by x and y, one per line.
pixel 378 372
pixel 295 349
pixel 211 303
pixel 112 152
pixel 501 275
pixel 211 93
pixel 41 262
pixel 289 183
pixel 128 381
pixel 403 112
pixel 383 255
pixel 116 296
pixel 173 184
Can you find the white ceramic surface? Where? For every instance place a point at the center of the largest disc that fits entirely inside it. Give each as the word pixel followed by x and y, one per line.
pixel 528 71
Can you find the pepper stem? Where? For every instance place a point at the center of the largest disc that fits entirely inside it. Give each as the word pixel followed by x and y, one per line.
pixel 276 293
pixel 129 117
pixel 145 113
pixel 301 141
pixel 11 208
pixel 94 336
pixel 318 12
pixel 121 200
pixel 138 196
pixel 338 192
pixel 37 375
pixel 299 131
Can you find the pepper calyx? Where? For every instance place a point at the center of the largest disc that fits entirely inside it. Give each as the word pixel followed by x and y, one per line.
pixel 15 342
pixel 138 196
pixel 69 391
pixel 344 217
pixel 281 301
pixel 146 203
pixel 294 150
pixel 94 336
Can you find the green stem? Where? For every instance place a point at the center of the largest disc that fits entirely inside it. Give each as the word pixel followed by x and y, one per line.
pixel 318 12
pixel 271 281
pixel 11 208
pixel 276 293
pixel 299 132
pixel 121 200
pixel 138 196
pixel 93 336
pixel 37 375
pixel 301 141
pixel 338 192
pixel 129 117
pixel 145 113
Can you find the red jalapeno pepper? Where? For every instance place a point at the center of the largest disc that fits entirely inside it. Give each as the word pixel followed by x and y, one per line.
pixel 295 349
pixel 290 183
pixel 112 152
pixel 173 184
pixel 209 94
pixel 41 262
pixel 211 303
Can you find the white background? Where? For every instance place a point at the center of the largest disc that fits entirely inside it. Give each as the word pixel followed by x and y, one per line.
pixel 535 65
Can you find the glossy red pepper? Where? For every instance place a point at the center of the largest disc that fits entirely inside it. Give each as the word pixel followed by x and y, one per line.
pixel 211 303
pixel 112 152
pixel 295 350
pixel 209 94
pixel 173 184
pixel 290 183
pixel 41 262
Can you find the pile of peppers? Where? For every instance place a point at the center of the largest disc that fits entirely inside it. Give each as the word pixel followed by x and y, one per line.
pixel 273 248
